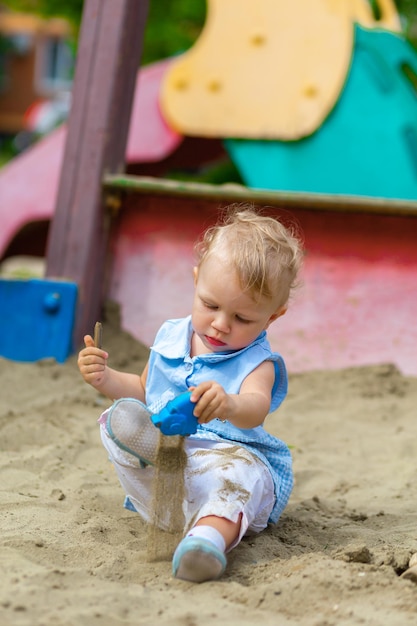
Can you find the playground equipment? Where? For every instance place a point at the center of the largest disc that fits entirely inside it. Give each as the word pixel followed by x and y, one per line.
pixel 266 70
pixel 368 144
pixel 149 140
pixel 310 96
pixel 358 303
pixel 38 318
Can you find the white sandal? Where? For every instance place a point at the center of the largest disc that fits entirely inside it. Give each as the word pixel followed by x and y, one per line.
pixel 198 560
pixel 130 426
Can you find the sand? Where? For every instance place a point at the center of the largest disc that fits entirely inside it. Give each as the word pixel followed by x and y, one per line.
pixel 71 555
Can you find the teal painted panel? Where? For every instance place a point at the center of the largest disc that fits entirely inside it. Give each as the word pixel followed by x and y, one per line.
pixel 36 319
pixel 367 145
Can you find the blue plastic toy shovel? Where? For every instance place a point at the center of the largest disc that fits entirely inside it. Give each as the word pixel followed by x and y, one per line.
pixel 177 417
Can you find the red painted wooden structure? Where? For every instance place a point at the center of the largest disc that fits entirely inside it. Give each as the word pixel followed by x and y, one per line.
pixel 358 301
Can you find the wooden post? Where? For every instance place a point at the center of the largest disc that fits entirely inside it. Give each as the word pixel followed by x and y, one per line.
pixel 108 60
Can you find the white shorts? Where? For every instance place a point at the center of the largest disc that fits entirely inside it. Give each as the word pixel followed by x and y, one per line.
pixel 220 479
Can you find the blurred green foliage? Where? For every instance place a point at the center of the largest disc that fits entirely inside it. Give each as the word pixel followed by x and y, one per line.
pixel 174 25
pixel 70 9
pixel 7 151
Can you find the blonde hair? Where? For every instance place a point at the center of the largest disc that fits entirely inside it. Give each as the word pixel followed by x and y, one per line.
pixel 266 255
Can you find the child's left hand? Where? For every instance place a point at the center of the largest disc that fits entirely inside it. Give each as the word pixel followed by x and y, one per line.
pixel 211 401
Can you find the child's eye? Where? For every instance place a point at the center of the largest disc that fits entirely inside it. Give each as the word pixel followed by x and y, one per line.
pixel 242 320
pixel 210 306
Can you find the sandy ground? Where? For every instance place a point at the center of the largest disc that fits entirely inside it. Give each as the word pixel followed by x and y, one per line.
pixel 71 555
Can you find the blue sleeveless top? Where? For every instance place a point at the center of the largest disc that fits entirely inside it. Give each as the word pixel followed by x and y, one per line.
pixel 172 371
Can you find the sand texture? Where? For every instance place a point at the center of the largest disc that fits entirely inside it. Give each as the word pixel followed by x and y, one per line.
pixel 72 556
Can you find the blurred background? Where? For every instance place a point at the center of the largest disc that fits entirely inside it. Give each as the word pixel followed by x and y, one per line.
pixel 296 104
pixel 38 47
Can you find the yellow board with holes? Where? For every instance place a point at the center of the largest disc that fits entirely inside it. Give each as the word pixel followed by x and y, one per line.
pixel 266 69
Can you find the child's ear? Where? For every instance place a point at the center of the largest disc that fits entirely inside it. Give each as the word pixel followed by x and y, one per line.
pixel 195 274
pixel 281 311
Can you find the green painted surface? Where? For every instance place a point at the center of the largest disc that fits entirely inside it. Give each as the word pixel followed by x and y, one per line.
pixel 367 145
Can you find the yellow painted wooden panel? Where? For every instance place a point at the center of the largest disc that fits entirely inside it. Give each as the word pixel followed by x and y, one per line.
pixel 270 69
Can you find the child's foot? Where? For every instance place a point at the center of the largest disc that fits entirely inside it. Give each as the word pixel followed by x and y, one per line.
pixel 129 424
pixel 198 560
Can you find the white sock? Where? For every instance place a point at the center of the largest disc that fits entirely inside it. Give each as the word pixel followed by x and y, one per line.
pixel 209 533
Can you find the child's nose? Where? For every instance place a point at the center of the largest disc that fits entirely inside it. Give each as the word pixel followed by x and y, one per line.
pixel 221 323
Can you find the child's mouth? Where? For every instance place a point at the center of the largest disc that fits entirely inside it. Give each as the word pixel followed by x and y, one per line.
pixel 215 342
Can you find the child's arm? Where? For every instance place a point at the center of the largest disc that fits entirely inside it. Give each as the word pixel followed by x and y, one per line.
pixel 92 363
pixel 247 409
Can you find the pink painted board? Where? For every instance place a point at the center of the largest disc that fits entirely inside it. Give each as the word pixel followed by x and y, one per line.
pixel 29 186
pixel 29 183
pixel 150 138
pixel 357 305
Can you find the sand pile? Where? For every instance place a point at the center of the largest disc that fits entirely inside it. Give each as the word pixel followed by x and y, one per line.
pixel 72 556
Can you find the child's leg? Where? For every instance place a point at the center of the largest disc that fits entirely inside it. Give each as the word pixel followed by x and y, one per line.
pixel 229 492
pixel 136 481
pixel 229 530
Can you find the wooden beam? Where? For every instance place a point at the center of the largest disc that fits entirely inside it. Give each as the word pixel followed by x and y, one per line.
pixel 116 186
pixel 109 52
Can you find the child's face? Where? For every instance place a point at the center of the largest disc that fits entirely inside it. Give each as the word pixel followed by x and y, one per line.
pixel 223 316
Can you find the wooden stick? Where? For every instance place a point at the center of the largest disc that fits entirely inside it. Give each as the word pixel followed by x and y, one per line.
pixel 98 334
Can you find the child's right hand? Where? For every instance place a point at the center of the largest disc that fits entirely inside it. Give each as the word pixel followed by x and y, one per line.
pixel 92 363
